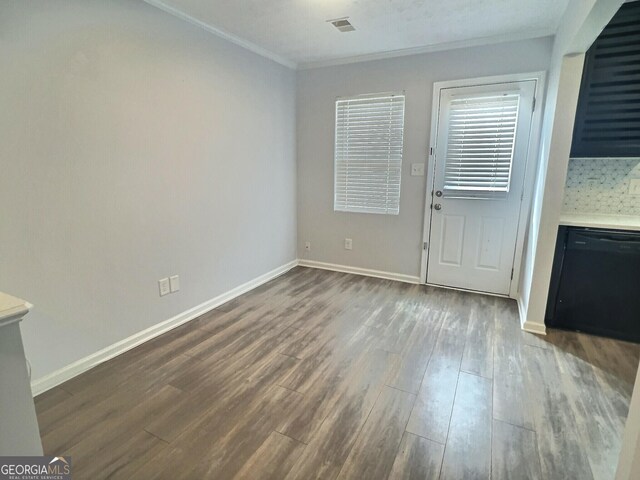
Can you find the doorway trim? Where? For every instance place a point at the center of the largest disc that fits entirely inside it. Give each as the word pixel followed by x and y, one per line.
pixel 531 163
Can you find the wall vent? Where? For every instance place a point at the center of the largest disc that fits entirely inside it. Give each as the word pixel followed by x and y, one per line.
pixel 342 24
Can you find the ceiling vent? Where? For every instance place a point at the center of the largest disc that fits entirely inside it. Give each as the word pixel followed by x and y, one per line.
pixel 342 24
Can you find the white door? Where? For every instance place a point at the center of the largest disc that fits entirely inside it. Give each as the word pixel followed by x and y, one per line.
pixel 481 146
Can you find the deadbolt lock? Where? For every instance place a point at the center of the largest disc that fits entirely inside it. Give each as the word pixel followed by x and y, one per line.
pixel 438 193
pixel 437 206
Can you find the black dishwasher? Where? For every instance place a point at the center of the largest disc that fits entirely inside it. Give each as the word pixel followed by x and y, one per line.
pixel 596 288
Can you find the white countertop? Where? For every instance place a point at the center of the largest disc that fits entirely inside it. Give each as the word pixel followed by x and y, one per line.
pixel 594 220
pixel 12 309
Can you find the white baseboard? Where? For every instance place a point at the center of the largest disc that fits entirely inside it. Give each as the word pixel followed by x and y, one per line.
pixel 459 289
pixel 534 327
pixel 43 384
pixel 359 271
pixel 528 326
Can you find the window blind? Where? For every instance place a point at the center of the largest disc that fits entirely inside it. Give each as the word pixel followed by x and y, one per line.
pixel 368 153
pixel 480 145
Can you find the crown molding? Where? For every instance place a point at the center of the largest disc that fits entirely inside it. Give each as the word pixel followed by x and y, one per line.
pixel 475 42
pixel 222 34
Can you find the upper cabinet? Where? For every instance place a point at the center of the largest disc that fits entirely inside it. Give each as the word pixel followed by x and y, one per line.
pixel 608 116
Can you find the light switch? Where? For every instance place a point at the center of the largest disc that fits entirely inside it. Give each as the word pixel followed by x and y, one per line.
pixel 417 169
pixel 175 283
pixel 163 284
pixel 634 186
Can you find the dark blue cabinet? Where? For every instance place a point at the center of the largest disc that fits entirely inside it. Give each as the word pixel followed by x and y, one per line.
pixel 608 115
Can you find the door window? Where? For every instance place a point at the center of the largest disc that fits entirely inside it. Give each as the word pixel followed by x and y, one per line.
pixel 480 145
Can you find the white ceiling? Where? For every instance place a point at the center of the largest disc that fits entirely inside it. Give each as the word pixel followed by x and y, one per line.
pixel 295 32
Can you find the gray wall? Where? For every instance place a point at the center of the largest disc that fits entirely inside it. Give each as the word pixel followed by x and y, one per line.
pixel 383 242
pixel 134 146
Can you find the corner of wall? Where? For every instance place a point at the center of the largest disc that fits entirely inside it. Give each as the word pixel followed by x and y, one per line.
pixel 527 325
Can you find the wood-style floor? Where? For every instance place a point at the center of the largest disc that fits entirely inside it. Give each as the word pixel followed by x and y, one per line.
pixel 334 376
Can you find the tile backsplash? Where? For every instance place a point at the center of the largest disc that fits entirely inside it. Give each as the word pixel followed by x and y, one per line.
pixel 601 185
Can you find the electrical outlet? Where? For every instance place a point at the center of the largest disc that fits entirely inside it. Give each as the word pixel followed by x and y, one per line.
pixel 348 244
pixel 417 169
pixel 163 284
pixel 634 186
pixel 307 246
pixel 174 282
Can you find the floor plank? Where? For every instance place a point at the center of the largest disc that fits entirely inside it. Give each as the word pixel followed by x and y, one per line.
pixel 375 450
pixel 432 411
pixel 418 459
pixel 409 370
pixel 51 398
pixel 478 352
pixel 467 452
pixel 559 444
pixel 197 407
pixel 273 460
pixel 511 399
pixel 589 399
pixel 511 453
pixel 331 443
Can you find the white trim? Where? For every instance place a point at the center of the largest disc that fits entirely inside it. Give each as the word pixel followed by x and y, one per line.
pixel 530 169
pixel 76 368
pixel 439 47
pixel 467 290
pixel 399 277
pixel 531 327
pixel 12 319
pixel 535 137
pixel 263 52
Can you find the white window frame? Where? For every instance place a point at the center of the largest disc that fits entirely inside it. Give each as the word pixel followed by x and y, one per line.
pixel 388 208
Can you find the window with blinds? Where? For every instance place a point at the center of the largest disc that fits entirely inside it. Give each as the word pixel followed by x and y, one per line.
pixel 368 153
pixel 480 145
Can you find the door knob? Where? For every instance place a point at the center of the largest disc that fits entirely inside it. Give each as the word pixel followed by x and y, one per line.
pixel 437 206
